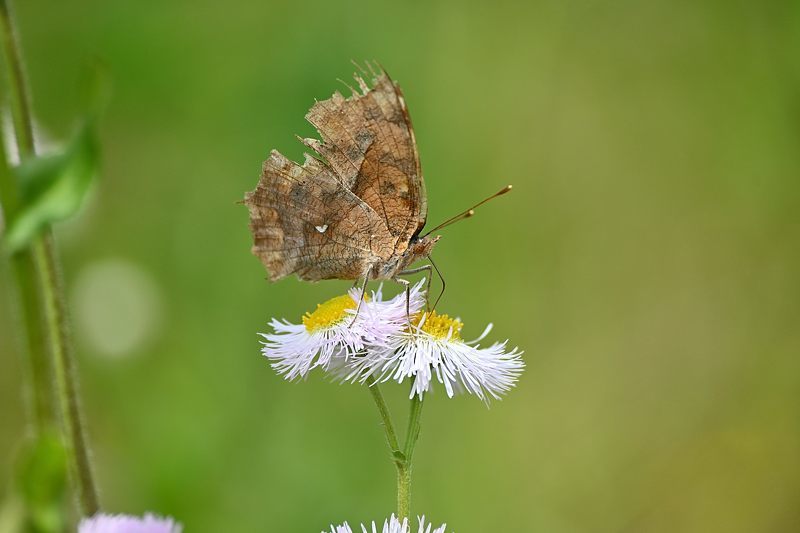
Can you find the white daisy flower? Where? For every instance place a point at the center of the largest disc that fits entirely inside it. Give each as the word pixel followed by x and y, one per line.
pixel 434 347
pixel 120 523
pixel 329 337
pixel 392 525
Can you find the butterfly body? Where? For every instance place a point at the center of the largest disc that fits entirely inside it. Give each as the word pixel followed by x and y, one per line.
pixel 418 248
pixel 356 207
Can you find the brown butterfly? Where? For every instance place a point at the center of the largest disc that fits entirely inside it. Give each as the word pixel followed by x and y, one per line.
pixel 355 209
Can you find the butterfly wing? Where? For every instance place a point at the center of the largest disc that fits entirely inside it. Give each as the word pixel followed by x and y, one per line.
pixel 305 222
pixel 368 141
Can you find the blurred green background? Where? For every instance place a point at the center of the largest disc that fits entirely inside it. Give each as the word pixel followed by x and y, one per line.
pixel 648 260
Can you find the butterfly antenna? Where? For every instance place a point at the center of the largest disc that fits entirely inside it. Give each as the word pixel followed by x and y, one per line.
pixel 469 212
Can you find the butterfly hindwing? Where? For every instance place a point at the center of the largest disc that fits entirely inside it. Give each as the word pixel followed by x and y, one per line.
pixel 305 222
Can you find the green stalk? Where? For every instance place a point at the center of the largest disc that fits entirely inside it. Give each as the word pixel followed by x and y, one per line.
pixel 401 459
pixel 414 426
pixel 403 491
pixel 404 473
pixel 398 458
pixel 46 276
pixel 39 382
pixel 23 267
pixel 20 102
pixel 386 417
pixel 49 278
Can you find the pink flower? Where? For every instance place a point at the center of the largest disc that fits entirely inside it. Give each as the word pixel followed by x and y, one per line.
pixel 107 523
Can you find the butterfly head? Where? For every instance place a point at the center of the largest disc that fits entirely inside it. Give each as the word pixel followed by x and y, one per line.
pixel 420 247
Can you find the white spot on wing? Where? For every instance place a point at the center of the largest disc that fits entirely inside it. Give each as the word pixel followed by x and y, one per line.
pixel 322 228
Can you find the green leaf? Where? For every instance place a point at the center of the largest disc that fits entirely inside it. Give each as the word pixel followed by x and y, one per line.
pixel 53 187
pixel 41 483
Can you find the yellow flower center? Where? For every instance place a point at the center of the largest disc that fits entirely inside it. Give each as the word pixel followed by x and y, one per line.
pixel 439 326
pixel 329 313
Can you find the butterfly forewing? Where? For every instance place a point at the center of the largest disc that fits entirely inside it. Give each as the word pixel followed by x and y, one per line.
pixel 356 207
pixel 369 142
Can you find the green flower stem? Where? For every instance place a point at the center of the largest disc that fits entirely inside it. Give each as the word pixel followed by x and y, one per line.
pixel 401 459
pixel 414 424
pixel 386 417
pixel 46 276
pixel 404 473
pixel 20 102
pixel 39 374
pixel 403 491
pixel 64 365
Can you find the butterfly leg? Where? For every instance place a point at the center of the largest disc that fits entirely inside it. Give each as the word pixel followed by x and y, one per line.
pixel 417 270
pixel 407 284
pixel 439 273
pixel 410 271
pixel 430 268
pixel 360 300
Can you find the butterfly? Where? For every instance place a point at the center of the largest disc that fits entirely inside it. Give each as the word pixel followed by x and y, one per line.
pixel 356 206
